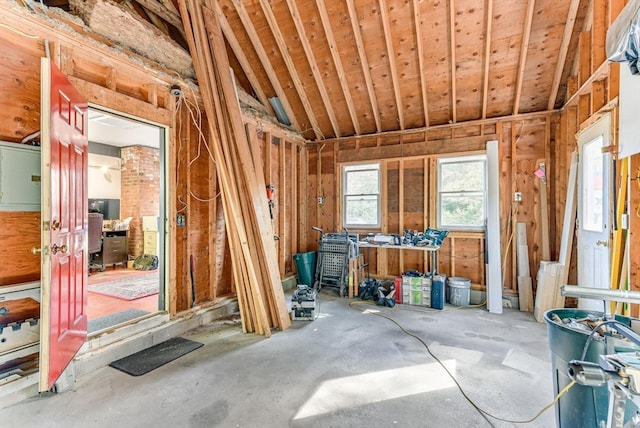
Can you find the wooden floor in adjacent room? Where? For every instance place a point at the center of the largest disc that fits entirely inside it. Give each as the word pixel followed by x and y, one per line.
pixel 100 305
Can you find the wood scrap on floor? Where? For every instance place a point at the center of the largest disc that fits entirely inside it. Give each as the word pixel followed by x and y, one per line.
pixel 254 259
pixel 525 287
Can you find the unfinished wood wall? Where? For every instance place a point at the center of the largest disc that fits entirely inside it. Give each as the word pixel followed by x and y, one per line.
pixel 592 91
pixel 409 186
pixel 124 82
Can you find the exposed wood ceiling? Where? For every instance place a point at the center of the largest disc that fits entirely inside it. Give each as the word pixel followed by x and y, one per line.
pixel 355 67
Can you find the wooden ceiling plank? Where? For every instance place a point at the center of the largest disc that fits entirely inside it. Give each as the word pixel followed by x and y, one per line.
pixel 487 57
pixel 384 15
pixel 297 83
pixel 562 53
pixel 157 21
pixel 242 59
pixel 526 33
pixel 337 62
pixel 164 13
pixel 420 53
pixel 264 60
pixel 302 36
pixel 366 71
pixel 452 58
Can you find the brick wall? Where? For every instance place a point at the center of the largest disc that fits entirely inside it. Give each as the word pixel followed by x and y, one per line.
pixel 140 191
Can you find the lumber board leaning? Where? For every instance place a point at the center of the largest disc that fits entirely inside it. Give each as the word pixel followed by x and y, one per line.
pixel 568 227
pixel 525 286
pixel 255 182
pixel 243 267
pixel 547 288
pixel 544 220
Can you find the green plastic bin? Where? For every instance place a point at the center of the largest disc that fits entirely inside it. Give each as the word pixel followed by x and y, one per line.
pixel 305 267
pixel 581 406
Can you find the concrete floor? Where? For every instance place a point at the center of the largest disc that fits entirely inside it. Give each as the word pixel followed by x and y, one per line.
pixel 347 368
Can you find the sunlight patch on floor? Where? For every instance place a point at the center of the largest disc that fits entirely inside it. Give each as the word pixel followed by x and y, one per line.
pixel 377 386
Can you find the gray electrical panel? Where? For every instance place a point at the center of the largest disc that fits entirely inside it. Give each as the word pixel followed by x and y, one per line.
pixel 19 177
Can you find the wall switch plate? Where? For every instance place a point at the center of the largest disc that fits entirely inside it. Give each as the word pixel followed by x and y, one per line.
pixel 517 196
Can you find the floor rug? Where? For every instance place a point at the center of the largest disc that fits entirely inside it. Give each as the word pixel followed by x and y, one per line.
pixel 158 355
pixel 129 288
pixel 114 319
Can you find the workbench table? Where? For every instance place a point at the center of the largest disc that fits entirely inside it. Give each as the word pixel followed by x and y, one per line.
pixel 432 249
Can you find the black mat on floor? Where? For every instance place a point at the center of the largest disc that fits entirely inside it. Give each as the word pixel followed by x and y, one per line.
pixel 158 355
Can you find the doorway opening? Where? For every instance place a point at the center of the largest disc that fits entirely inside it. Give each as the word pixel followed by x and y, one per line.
pixel 126 191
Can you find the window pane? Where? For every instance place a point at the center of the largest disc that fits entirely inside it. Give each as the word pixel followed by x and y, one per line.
pixel 462 176
pixel 592 190
pixel 361 210
pixel 462 209
pixel 362 182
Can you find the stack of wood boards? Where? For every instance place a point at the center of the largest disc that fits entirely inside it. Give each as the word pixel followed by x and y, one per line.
pixel 250 235
pixel 553 275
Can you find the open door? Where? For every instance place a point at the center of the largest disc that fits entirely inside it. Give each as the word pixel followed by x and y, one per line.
pixel 593 210
pixel 63 330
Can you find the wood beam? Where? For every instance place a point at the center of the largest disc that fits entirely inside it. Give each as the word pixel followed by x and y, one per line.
pixel 524 47
pixel 161 10
pixel 291 67
pixel 236 47
pixel 420 53
pixel 302 36
pixel 487 55
pixel 562 54
pixel 264 60
pixel 452 56
pixel 366 69
pixel 337 62
pixel 384 15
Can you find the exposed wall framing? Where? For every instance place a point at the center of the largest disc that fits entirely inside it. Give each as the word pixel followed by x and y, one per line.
pixel 122 81
pixel 408 162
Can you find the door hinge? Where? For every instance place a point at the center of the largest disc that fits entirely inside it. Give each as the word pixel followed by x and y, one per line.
pixel 46 225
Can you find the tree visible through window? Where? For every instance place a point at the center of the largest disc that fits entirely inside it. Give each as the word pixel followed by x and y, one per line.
pixel 462 192
pixel 361 195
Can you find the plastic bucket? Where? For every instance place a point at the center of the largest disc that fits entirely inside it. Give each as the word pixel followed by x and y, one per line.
pixel 459 291
pixel 581 406
pixel 305 267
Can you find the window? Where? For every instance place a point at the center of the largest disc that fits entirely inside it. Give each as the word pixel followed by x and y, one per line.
pixel 462 192
pixel 361 195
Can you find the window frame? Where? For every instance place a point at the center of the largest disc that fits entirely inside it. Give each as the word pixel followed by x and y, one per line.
pixel 375 166
pixel 458 159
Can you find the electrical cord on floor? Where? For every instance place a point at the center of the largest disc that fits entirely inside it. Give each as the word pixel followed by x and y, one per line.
pixel 485 414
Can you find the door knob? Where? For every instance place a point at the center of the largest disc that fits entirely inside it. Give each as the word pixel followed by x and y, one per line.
pixel 59 249
pixel 603 243
pixel 35 251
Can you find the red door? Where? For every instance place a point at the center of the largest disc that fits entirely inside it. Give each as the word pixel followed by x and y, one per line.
pixel 64 229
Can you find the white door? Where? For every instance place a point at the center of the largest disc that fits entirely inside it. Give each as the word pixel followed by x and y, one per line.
pixel 593 210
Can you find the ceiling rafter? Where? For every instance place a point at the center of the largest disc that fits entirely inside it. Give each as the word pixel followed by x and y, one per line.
pixel 487 56
pixel 335 54
pixel 392 61
pixel 264 60
pixel 242 58
pixel 302 35
pixel 297 83
pixel 452 58
pixel 526 33
pixel 163 12
pixel 420 53
pixel 562 54
pixel 366 70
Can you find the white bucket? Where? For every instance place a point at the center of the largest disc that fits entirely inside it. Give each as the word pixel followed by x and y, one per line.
pixel 459 291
